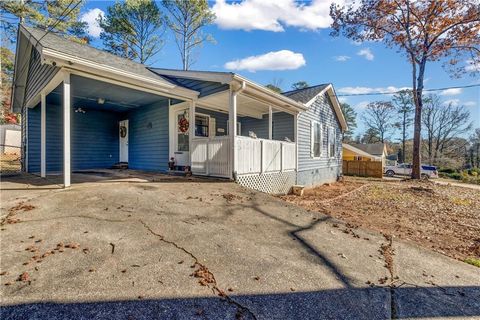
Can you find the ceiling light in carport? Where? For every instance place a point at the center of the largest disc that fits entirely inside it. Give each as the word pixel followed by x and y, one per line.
pixel 101 100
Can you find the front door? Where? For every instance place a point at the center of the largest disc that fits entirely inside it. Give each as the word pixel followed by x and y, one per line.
pixel 181 148
pixel 123 134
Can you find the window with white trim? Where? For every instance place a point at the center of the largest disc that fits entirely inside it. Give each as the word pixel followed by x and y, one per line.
pixel 316 139
pixel 202 125
pixel 331 142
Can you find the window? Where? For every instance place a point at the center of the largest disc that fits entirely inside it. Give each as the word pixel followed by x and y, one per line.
pixel 316 139
pixel 331 142
pixel 201 125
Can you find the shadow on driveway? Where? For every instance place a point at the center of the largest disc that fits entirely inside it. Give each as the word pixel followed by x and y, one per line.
pixel 366 303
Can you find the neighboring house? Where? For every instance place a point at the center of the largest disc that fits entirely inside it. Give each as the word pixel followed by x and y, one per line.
pixel 365 152
pixel 88 109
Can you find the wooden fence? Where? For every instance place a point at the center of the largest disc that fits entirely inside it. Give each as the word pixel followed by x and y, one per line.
pixel 363 168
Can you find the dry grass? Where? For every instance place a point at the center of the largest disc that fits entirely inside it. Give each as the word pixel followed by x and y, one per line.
pixel 443 218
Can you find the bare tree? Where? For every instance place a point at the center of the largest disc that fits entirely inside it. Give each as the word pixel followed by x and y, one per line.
pixel 378 117
pixel 443 123
pixel 186 19
pixel 404 106
pixel 423 30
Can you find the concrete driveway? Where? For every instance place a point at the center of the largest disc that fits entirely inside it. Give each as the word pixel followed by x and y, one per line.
pixel 145 247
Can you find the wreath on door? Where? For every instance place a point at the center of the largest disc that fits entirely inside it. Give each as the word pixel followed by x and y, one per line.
pixel 123 131
pixel 183 124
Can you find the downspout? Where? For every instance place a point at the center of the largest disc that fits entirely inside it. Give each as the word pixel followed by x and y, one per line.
pixel 233 123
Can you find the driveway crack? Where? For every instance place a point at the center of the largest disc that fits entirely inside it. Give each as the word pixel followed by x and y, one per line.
pixel 388 253
pixel 207 278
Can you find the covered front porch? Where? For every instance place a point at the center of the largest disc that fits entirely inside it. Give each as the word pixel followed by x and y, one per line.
pixel 237 135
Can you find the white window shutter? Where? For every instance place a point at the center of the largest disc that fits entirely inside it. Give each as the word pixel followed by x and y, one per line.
pixel 212 127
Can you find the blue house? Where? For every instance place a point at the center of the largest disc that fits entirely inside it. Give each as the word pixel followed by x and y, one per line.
pixel 85 109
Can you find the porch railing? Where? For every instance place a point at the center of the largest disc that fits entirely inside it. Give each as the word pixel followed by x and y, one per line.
pixel 212 156
pixel 264 156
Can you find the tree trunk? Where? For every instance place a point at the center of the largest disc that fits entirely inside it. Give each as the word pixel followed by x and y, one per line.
pixel 418 99
pixel 404 136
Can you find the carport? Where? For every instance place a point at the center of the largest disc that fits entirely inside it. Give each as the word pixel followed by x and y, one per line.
pixel 75 100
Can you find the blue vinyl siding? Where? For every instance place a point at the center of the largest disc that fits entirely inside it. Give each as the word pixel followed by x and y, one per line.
pixel 54 139
pixel 323 169
pixel 33 138
pixel 38 75
pixel 148 137
pixel 94 139
pixel 283 126
pixel 95 142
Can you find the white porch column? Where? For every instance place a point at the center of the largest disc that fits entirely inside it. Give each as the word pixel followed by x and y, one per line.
pixel 66 131
pixel 295 138
pixel 232 128
pixel 43 135
pixel 191 129
pixel 270 123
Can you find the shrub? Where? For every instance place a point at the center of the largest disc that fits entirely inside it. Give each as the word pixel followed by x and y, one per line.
pixel 447 170
pixel 456 176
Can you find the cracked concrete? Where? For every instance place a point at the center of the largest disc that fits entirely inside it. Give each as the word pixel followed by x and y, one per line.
pixel 258 258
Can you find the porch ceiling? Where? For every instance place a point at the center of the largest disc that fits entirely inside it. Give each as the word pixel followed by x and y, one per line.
pixel 246 106
pixel 86 92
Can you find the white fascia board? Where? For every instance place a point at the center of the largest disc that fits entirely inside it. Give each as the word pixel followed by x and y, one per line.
pixel 54 82
pixel 75 63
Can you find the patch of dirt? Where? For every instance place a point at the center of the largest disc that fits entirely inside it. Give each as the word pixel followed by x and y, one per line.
pixel 443 218
pixel 21 207
pixel 231 197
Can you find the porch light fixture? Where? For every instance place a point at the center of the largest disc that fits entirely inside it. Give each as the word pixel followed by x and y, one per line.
pixel 101 100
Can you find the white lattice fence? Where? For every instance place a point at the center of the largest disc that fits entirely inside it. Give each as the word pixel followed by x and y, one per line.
pixel 273 183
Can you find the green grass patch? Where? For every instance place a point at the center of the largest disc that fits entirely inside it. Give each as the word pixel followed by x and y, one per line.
pixel 473 261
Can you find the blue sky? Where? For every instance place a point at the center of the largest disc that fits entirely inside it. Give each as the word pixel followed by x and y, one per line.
pixel 297 38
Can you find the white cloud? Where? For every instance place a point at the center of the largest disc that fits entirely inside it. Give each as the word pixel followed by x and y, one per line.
pixel 342 99
pixel 451 92
pixel 275 60
pixel 470 104
pixel 472 66
pixel 90 17
pixel 453 102
pixel 273 15
pixel 366 53
pixel 364 90
pixel 341 58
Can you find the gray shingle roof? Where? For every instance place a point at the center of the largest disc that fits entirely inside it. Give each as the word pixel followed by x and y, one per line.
pixel 63 45
pixel 306 94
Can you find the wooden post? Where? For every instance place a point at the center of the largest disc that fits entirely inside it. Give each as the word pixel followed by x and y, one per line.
pixel 43 137
pixel 295 138
pixel 191 129
pixel 66 132
pixel 232 122
pixel 270 123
